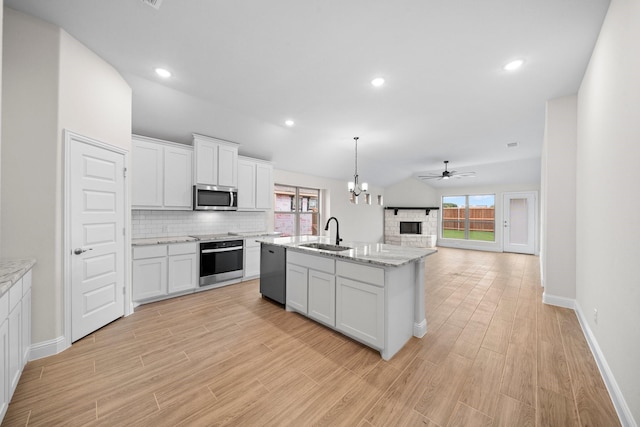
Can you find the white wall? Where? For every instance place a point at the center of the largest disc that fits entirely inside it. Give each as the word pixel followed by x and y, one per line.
pixel 52 83
pixel 411 192
pixel 608 173
pixel 360 223
pixel 29 165
pixel 558 208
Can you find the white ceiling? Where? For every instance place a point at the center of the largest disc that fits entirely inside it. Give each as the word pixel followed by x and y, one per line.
pixel 241 68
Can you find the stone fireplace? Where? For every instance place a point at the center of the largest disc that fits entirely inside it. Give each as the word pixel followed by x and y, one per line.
pixel 417 227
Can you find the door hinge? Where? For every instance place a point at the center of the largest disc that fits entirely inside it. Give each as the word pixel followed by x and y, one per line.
pixel 124 172
pixel 124 291
pixel 124 231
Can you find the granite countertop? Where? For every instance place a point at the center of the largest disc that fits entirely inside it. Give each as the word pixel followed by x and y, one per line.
pixel 369 253
pixel 11 270
pixel 198 238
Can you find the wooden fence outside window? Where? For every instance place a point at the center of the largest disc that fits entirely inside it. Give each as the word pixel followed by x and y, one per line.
pixel 480 218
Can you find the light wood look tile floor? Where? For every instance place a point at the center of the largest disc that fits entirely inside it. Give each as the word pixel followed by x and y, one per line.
pixel 494 355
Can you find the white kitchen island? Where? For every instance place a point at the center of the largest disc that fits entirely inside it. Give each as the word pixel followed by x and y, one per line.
pixel 371 292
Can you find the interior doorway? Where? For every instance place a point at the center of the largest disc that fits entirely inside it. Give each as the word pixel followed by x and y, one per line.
pixel 95 214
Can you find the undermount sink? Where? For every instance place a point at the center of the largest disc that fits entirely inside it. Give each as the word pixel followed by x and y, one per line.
pixel 326 247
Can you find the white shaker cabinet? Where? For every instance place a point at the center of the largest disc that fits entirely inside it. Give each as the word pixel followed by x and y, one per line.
pixel 322 297
pixel 178 175
pixel 216 161
pixel 162 174
pixel 360 311
pixel 311 286
pixel 251 258
pixel 164 270
pixel 26 317
pixel 183 272
pixel 4 354
pixel 149 272
pixel 255 184
pixel 146 165
pixel 15 337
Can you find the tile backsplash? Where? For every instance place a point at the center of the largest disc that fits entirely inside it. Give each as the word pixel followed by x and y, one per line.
pixel 149 223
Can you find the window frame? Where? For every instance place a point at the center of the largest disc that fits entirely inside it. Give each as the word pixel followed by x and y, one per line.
pixel 467 217
pixel 296 205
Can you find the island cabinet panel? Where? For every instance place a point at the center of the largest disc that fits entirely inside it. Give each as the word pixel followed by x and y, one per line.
pixel 4 354
pixel 322 297
pixel 360 311
pixel 297 288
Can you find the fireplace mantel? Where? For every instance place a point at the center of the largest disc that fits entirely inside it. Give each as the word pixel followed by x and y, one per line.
pixel 413 208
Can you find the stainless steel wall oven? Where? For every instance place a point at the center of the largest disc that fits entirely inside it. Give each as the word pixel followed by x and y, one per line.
pixel 220 261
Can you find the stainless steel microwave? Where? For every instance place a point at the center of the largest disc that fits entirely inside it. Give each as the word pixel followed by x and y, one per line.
pixel 214 198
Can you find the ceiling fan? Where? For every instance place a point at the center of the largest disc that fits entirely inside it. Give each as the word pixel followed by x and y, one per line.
pixel 446 174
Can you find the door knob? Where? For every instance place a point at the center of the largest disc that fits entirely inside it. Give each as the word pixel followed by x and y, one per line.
pixel 79 251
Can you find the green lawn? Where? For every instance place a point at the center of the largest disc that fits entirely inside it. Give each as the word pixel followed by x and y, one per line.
pixel 487 236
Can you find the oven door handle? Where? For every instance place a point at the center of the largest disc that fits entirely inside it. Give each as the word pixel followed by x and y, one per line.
pixel 210 251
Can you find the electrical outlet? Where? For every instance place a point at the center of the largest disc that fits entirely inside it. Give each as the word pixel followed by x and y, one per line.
pixel 595 315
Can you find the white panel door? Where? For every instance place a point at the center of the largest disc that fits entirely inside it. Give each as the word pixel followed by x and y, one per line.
pixel 519 222
pixel 97 212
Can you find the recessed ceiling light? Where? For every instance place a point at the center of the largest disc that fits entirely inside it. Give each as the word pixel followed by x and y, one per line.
pixel 514 65
pixel 377 82
pixel 163 73
pixel 289 123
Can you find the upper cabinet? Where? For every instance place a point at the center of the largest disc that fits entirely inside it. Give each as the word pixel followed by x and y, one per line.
pixel 255 184
pixel 216 161
pixel 162 174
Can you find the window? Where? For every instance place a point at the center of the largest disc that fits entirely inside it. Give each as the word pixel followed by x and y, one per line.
pixel 469 217
pixel 297 211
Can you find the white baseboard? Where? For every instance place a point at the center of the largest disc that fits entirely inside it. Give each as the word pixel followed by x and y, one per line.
pixel 47 348
pixel 558 301
pixel 624 413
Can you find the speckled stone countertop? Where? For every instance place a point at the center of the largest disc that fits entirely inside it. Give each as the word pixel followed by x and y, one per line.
pixel 369 253
pixel 198 238
pixel 11 270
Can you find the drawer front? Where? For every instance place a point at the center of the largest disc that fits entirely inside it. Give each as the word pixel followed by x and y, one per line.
pixel 251 242
pixel 314 262
pixel 183 248
pixel 15 294
pixel 361 272
pixel 151 251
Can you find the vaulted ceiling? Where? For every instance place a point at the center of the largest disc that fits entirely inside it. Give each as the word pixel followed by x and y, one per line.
pixel 241 68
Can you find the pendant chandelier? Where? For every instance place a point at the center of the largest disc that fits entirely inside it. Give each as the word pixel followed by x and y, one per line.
pixel 355 188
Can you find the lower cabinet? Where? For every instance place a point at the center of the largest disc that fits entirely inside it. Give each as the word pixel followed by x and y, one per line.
pixel 183 267
pixel 161 270
pixel 15 337
pixel 251 258
pixel 322 297
pixel 297 287
pixel 360 311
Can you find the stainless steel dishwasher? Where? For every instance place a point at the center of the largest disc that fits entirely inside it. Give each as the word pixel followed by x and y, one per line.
pixel 273 276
